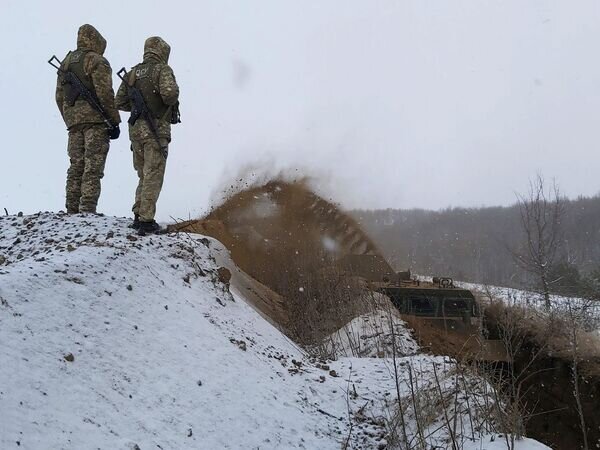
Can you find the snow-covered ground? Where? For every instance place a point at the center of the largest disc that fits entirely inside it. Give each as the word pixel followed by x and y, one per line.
pixel 377 334
pixel 587 311
pixel 112 341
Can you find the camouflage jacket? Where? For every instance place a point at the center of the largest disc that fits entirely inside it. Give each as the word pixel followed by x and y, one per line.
pixel 156 52
pixel 100 74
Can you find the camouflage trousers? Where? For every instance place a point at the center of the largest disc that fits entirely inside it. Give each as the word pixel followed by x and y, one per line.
pixel 88 147
pixel 149 163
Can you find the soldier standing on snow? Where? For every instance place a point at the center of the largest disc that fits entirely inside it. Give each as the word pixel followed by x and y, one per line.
pixel 149 125
pixel 89 128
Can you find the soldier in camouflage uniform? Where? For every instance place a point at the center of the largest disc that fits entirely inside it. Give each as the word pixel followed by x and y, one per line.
pixel 156 82
pixel 88 133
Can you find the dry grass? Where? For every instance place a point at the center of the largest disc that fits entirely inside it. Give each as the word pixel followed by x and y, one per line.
pixel 553 332
pixel 554 381
pixel 319 299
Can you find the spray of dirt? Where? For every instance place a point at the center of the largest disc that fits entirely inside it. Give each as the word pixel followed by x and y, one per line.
pixel 276 230
pixel 264 171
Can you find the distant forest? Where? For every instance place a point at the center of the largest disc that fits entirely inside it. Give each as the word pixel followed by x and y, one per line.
pixel 474 244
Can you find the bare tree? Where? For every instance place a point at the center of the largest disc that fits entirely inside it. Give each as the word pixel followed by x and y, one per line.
pixel 542 211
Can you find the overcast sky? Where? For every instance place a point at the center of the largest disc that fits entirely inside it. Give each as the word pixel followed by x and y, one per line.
pixel 388 103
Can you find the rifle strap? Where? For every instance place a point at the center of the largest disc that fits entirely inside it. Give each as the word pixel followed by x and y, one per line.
pixel 65 62
pixel 145 78
pixel 74 63
pixel 131 78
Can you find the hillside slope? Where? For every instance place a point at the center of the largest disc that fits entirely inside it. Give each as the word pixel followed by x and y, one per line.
pixel 112 341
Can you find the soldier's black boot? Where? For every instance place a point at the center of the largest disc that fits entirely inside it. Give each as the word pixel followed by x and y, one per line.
pixel 148 228
pixel 136 222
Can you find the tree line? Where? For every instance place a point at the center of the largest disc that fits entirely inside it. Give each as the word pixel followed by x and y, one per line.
pixel 543 236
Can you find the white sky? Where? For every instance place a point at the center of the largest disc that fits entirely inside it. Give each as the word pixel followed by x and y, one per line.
pixel 390 103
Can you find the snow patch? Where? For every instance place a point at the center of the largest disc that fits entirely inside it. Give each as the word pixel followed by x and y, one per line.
pixel 377 334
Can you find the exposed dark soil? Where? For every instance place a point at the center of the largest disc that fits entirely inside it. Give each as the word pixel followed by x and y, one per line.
pixel 548 384
pixel 555 420
pixel 544 363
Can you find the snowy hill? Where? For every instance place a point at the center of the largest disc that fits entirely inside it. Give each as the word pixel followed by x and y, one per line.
pixel 112 341
pixel 587 311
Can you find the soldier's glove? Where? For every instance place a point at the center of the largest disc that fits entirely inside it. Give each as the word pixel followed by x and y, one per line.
pixel 114 132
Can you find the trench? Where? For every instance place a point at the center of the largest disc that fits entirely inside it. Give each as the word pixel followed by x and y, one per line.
pixel 549 400
pixel 547 383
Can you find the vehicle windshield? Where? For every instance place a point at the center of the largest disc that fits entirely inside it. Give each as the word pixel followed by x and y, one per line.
pixel 455 307
pixel 422 306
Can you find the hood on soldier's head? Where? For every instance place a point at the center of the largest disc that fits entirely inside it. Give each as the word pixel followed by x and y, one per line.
pixel 156 48
pixel 90 38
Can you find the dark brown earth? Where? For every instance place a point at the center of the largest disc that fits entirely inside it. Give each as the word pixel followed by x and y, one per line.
pixel 544 364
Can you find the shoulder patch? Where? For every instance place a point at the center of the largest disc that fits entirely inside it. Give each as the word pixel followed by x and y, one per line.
pixel 104 61
pixel 172 73
pixel 75 56
pixel 94 61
